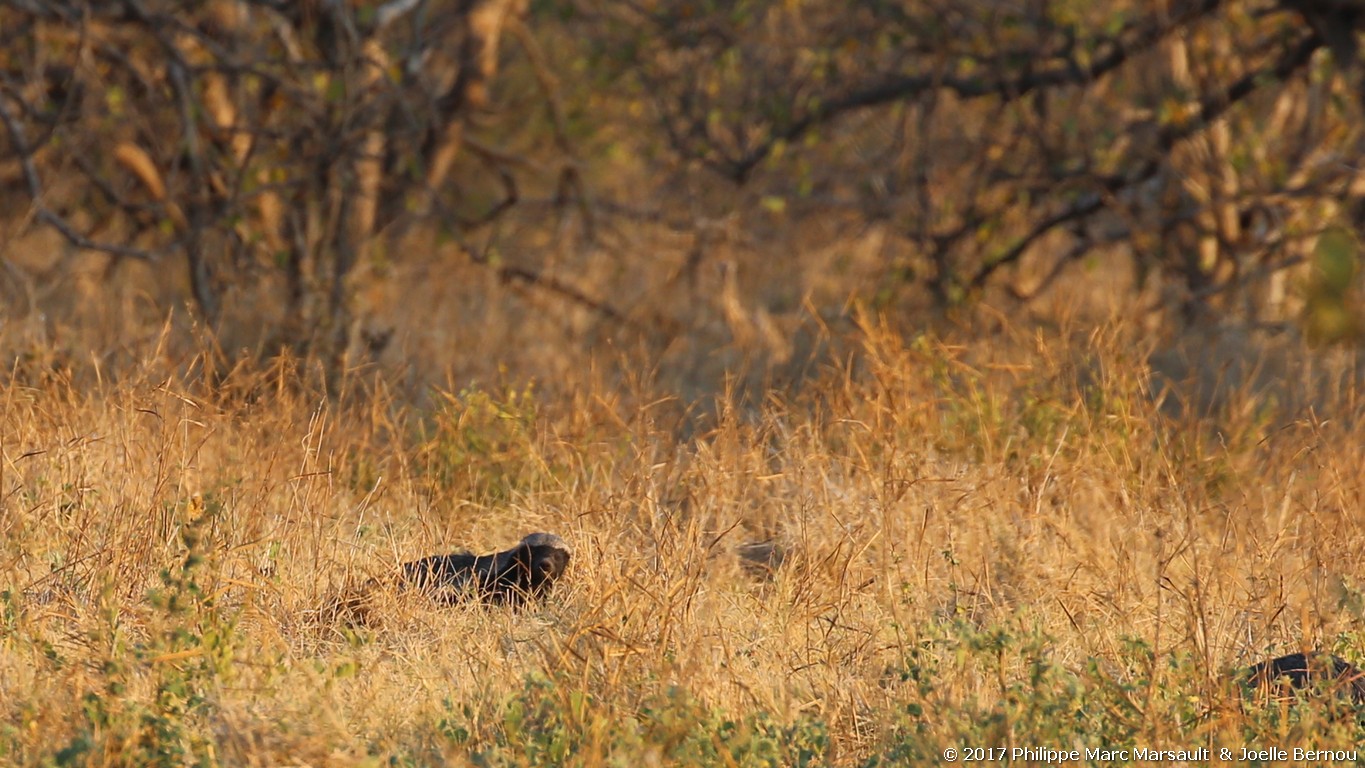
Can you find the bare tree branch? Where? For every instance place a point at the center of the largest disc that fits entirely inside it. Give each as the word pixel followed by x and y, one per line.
pixel 1121 48
pixel 1211 107
pixel 47 215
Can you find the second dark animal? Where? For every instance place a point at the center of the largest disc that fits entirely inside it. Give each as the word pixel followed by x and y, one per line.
pixel 527 571
pixel 1301 672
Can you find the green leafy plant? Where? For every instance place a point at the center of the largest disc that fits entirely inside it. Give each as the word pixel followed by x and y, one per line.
pixel 190 649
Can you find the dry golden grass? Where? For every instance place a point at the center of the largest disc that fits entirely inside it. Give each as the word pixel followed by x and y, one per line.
pixel 1005 542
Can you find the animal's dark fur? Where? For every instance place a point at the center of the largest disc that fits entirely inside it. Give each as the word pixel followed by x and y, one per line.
pixel 1305 671
pixel 527 571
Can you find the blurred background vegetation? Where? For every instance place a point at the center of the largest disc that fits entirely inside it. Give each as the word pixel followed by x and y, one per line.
pixel 693 191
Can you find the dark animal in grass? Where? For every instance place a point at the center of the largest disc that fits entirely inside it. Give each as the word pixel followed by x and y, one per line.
pixel 527 571
pixel 761 559
pixel 1300 672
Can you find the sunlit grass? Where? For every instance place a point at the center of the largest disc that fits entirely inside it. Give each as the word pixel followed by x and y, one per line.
pixel 1001 543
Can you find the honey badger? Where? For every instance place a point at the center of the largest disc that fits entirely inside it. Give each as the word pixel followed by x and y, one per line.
pixel 527 571
pixel 1300 672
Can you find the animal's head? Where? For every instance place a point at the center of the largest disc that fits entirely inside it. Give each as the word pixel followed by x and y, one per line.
pixel 546 558
pixel 530 569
